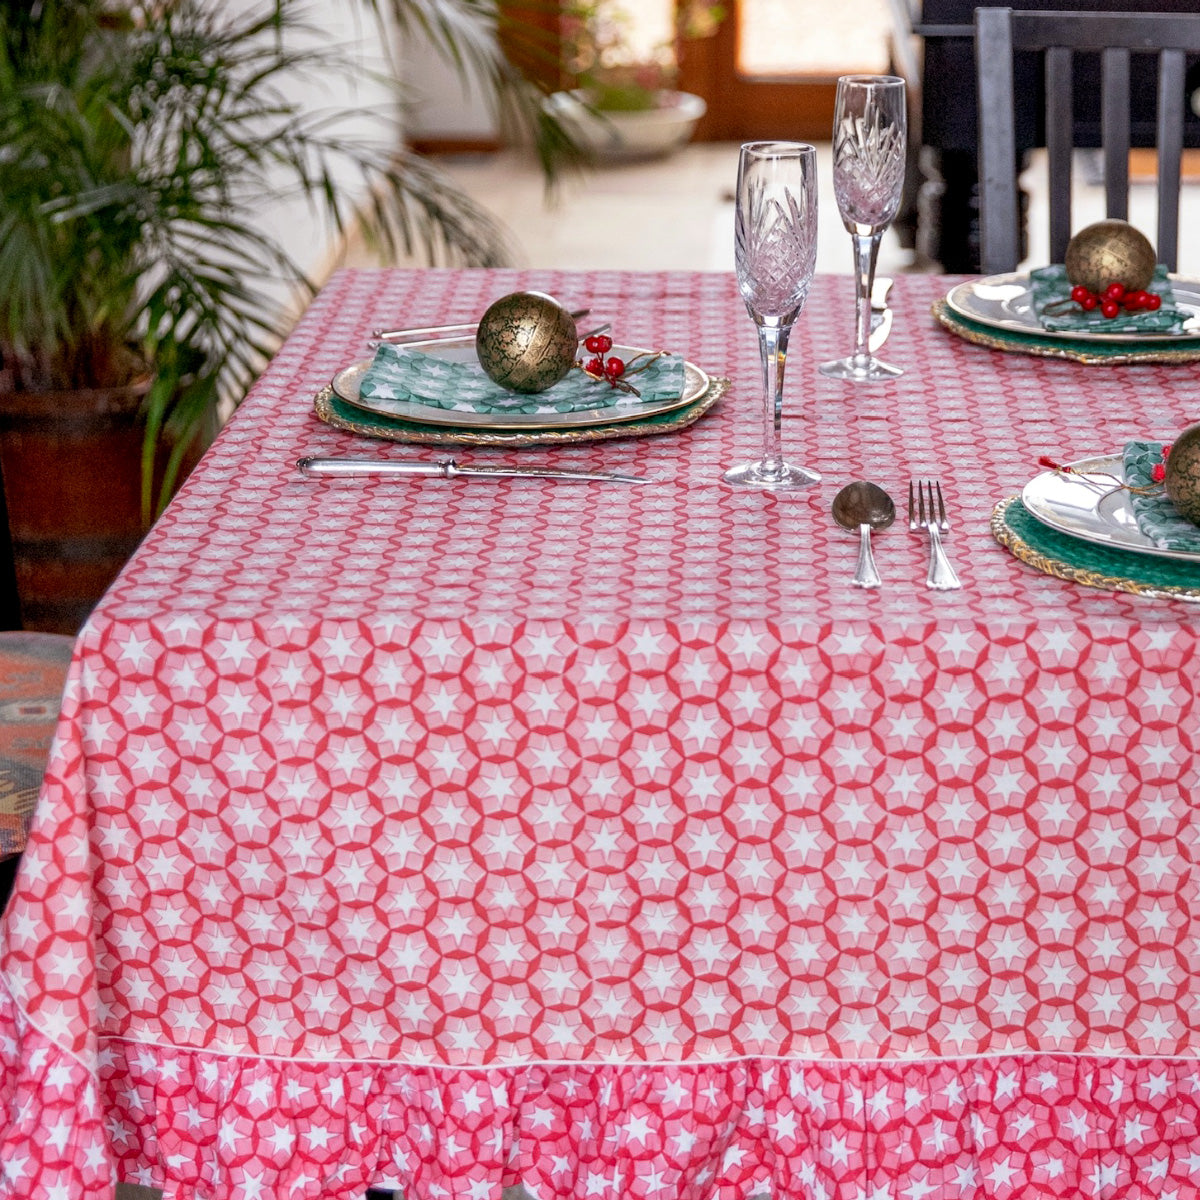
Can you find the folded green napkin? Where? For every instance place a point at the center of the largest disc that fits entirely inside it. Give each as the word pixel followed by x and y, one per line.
pixel 1050 284
pixel 1155 514
pixel 398 373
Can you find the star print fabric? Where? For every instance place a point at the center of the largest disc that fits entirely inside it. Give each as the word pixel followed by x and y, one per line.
pixel 609 840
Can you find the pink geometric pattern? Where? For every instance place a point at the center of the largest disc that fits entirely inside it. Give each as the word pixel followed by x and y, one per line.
pixel 607 839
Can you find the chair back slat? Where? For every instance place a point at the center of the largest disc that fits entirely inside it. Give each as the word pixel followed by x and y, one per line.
pixel 1170 153
pixel 997 140
pixel 1101 30
pixel 1114 130
pixel 1001 31
pixel 1059 116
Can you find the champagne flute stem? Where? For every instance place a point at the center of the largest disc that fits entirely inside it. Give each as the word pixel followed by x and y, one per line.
pixel 772 342
pixel 866 251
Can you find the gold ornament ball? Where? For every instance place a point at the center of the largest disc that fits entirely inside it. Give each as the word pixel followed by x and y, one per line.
pixel 1182 478
pixel 1110 252
pixel 526 341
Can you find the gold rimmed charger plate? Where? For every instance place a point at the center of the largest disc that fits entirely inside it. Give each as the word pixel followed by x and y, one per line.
pixel 347 383
pixel 335 411
pixel 1066 557
pixel 1087 501
pixel 1005 302
pixel 1107 353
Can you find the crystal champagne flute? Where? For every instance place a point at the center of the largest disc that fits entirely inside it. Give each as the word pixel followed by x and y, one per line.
pixel 775 252
pixel 870 143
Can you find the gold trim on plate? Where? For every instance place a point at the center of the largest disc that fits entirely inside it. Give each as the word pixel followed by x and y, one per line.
pixel 1151 352
pixel 1060 569
pixel 396 430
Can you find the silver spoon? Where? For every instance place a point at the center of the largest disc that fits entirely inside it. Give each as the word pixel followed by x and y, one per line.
pixel 864 506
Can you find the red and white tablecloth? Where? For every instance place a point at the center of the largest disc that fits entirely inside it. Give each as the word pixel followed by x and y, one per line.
pixel 449 834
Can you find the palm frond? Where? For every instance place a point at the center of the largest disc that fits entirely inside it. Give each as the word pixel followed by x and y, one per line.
pixel 139 142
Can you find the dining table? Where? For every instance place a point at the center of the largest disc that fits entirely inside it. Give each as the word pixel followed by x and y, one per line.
pixel 445 836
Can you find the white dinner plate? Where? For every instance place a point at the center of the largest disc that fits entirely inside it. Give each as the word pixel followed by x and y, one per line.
pixel 628 408
pixel 1006 302
pixel 1091 506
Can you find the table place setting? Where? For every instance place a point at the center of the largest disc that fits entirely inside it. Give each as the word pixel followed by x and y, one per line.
pixel 522 375
pixel 1110 303
pixel 1126 521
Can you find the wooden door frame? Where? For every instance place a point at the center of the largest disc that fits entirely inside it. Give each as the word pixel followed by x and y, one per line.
pixel 742 108
pixel 541 62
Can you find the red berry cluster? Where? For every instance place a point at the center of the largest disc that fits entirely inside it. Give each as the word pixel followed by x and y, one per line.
pixel 599 366
pixel 1158 472
pixel 1114 298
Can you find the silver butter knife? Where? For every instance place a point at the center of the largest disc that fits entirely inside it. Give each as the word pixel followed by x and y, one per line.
pixel 447 468
pixel 465 329
pixel 460 339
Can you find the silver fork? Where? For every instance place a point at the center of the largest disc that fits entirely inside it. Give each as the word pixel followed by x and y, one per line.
pixel 923 515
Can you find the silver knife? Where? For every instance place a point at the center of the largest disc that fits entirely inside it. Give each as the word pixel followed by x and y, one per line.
pixel 447 468
pixel 427 332
pixel 458 339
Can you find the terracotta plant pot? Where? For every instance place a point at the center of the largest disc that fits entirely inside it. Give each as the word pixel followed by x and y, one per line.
pixel 71 465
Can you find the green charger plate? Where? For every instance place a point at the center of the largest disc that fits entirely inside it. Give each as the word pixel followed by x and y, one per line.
pixel 1107 353
pixel 1067 557
pixel 334 411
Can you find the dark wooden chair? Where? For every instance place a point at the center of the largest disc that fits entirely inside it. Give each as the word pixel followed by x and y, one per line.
pixel 1001 31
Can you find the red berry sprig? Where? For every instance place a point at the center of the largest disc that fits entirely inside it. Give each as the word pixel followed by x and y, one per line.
pixel 610 367
pixel 1114 298
pixel 602 365
pixel 1158 473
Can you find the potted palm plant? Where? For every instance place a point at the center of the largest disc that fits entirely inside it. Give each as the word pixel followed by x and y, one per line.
pixel 625 103
pixel 139 140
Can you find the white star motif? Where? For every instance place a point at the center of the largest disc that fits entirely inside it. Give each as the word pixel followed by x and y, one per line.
pixel 234 649
pixel 447 756
pixel 133 650
pixel 597 729
pixel 905 671
pixel 647 644
pixel 648 701
pixel 595 672
pixel 441 645
pixel 704 785
pixel 651 757
pixel 696 671
pixel 801 786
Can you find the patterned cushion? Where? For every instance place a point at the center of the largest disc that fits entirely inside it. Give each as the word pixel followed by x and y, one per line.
pixel 33 668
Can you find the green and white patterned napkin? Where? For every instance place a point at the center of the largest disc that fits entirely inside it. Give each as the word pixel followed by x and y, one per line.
pixel 398 373
pixel 1156 515
pixel 1050 284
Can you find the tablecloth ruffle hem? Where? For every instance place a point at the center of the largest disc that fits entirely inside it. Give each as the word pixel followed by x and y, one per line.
pixel 211 1127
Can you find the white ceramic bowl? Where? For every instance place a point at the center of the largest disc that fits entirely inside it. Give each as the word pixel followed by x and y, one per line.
pixel 625 136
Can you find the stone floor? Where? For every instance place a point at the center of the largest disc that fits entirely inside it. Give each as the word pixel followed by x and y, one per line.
pixel 677 213
pixel 668 214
